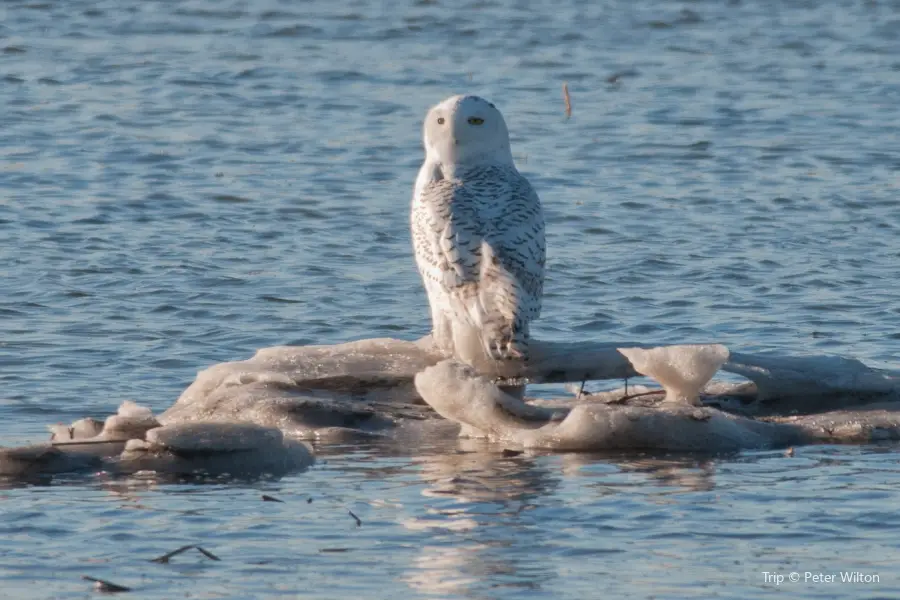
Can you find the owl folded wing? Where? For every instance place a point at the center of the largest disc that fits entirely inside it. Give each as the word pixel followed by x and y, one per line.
pixel 490 265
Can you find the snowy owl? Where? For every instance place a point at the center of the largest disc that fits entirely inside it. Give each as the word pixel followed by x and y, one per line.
pixel 478 234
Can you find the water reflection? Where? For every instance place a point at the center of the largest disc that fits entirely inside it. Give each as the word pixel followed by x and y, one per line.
pixel 482 535
pixel 683 473
pixel 484 513
pixel 479 472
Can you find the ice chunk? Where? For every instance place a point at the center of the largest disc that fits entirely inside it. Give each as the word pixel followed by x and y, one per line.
pixel 28 461
pixel 682 370
pixel 815 379
pixel 131 421
pixel 215 437
pixel 459 394
pixel 79 430
pixel 133 410
pixel 239 449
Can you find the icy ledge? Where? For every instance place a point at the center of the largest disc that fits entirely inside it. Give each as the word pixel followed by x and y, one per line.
pixel 371 386
pixel 247 416
pixel 458 393
pixel 367 385
pixel 133 441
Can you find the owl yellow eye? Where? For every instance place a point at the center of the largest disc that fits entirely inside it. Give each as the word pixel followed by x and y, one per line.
pixel 475 121
pixel 440 120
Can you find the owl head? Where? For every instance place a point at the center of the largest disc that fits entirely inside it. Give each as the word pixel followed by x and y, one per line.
pixel 466 129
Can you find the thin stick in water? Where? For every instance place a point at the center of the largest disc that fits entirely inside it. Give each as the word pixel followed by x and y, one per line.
pixel 207 553
pixel 165 557
pixel 358 522
pixel 567 99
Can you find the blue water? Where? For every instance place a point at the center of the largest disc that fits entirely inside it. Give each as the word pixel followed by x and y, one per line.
pixel 185 182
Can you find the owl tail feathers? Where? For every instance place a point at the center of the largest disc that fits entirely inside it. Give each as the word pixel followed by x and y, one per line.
pixel 497 302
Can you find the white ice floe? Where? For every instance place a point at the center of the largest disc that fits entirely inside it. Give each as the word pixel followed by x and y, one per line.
pixel 369 389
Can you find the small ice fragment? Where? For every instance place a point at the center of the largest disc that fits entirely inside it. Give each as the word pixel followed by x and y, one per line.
pixel 682 370
pixel 134 410
pixel 60 431
pixel 81 429
pixel 131 421
pixel 86 428
pixel 136 445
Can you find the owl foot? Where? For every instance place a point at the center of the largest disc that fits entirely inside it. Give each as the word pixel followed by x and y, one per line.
pixel 506 349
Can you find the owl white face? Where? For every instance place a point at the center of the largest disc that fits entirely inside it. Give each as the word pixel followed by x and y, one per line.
pixel 466 129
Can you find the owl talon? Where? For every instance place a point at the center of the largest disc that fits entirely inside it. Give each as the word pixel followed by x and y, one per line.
pixel 504 350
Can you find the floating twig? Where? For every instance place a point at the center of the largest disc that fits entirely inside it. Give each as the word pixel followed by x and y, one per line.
pixel 358 522
pixel 633 396
pixel 165 557
pixel 267 498
pixel 207 553
pixel 335 549
pixel 567 99
pixel 101 585
pixel 507 453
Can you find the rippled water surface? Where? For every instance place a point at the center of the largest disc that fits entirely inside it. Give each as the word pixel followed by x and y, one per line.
pixel 185 182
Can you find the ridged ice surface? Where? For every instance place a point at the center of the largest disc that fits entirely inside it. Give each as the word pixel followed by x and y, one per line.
pixel 185 183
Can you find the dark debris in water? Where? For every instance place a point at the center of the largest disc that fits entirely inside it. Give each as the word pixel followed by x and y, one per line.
pixel 108 587
pixel 357 519
pixel 164 559
pixel 267 498
pixel 507 453
pixel 617 77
